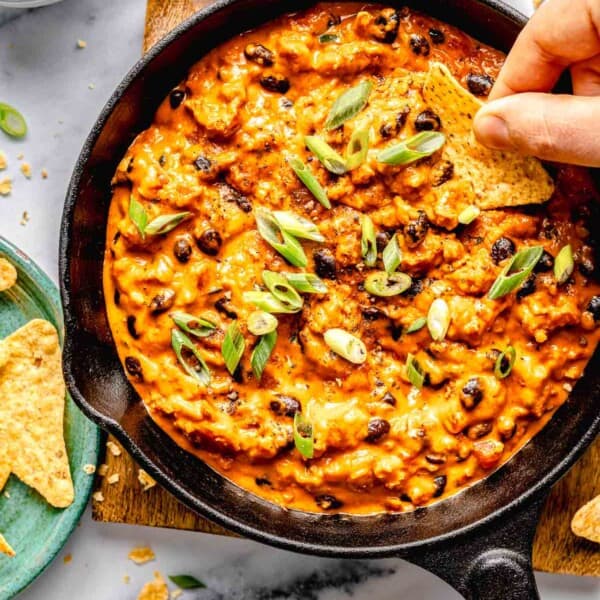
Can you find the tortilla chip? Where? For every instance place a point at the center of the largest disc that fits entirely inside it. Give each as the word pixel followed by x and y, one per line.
pixel 499 179
pixel 155 590
pixel 586 522
pixel 5 547
pixel 8 275
pixel 32 401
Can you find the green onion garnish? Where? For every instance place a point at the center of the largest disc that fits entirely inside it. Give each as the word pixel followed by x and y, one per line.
pixel 564 264
pixel 261 322
pixel 384 285
pixel 262 352
pixel 505 362
pixel 196 326
pixel 419 146
pixel 298 226
pixel 267 302
pixel 356 151
pixel 468 215
pixel 306 176
pixel 287 245
pixel 328 157
pixel 303 436
pixel 438 319
pixel 414 373
pixel 186 582
pixel 416 325
pixel 233 347
pixel 138 216
pixel 12 121
pixel 328 38
pixel 348 105
pixel 165 223
pixel 189 357
pixel 346 345
pixel 279 286
pixel 307 283
pixel 515 272
pixel 392 255
pixel 368 243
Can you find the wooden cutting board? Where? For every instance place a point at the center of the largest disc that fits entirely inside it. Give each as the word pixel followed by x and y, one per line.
pixel 556 549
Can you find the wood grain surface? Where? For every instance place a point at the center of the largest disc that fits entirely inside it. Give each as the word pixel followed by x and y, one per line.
pixel 556 549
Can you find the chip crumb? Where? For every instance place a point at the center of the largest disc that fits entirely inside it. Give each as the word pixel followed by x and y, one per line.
pixel 3 161
pixel 91 86
pixel 140 555
pixel 89 469
pixel 44 173
pixel 26 169
pixel 5 547
pixel 567 387
pixel 113 478
pixel 7 495
pixel 114 449
pixel 67 559
pixel 155 590
pixel 81 44
pixel 176 593
pixel 24 218
pixel 145 479
pixel 20 156
pixel 586 522
pixel 8 275
pixel 103 469
pixel 5 186
pixel 98 496
pixel 126 579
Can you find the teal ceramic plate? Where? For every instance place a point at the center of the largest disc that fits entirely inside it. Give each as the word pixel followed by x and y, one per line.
pixel 33 528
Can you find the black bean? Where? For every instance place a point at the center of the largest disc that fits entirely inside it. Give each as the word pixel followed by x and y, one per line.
pixel 474 432
pixel 471 394
pixel 259 54
pixel 416 230
pixel 427 120
pixel 502 249
pixel 328 502
pixel 203 164
pixel 117 297
pixel 162 160
pixel 275 83
pixel 437 36
pixel 396 331
pixel 285 406
pixel 209 241
pixel 131 327
pixel 386 130
pixel 435 459
pixel 594 307
pixel 376 429
pixel 333 20
pixel 176 98
pixel 389 398
pixel 419 44
pixel 325 263
pixel 263 481
pixel 479 84
pixel 440 485
pixel 381 239
pixel 527 288
pixel 546 263
pixel 416 287
pixel 162 301
pixel 387 23
pixel 586 266
pixel 223 306
pixel 134 367
pixel 441 172
pixel 230 194
pixel 372 313
pixel 182 250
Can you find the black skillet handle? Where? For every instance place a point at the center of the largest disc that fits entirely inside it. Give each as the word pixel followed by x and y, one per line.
pixel 494 563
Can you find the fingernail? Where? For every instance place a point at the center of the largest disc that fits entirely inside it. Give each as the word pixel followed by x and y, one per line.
pixel 492 131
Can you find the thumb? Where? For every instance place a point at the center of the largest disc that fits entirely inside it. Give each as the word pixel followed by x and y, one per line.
pixel 560 128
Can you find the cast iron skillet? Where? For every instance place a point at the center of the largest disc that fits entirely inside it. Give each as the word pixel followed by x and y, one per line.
pixel 479 541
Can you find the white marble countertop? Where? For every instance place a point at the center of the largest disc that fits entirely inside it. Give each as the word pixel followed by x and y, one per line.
pixel 61 89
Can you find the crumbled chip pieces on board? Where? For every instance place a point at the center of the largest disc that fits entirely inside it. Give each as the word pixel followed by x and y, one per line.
pixel 155 590
pixel 586 522
pixel 145 480
pixel 141 555
pixel 499 179
pixel 5 547
pixel 32 401
pixel 8 275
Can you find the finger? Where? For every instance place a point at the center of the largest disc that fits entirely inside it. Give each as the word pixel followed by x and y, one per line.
pixel 561 33
pixel 586 77
pixel 552 127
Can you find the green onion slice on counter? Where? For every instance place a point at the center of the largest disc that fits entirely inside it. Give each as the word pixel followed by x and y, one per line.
pixel 468 215
pixel 303 436
pixel 12 121
pixel 165 223
pixel 287 245
pixel 327 156
pixel 438 319
pixel 368 243
pixel 384 285
pixel 186 582
pixel 306 176
pixel 419 146
pixel 279 286
pixel 267 302
pixel 196 326
pixel 189 357
pixel 505 362
pixel 392 255
pixel 298 226
pixel 564 264
pixel 414 373
pixel 233 347
pixel 348 105
pixel 328 38
pixel 357 149
pixel 515 272
pixel 138 216
pixel 346 345
pixel 261 322
pixel 416 325
pixel 306 283
pixel 261 353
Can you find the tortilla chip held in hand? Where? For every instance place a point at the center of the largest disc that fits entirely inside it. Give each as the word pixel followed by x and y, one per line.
pixel 499 179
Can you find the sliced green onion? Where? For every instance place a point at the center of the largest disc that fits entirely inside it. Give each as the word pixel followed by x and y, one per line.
pixel 346 345
pixel 419 146
pixel 392 255
pixel 262 352
pixel 267 302
pixel 287 245
pixel 303 436
pixel 414 372
pixel 438 319
pixel 298 226
pixel 505 362
pixel 468 215
pixel 384 285
pixel 564 264
pixel 196 326
pixel 233 347
pixel 515 272
pixel 166 223
pixel 328 157
pixel 138 216
pixel 189 357
pixel 328 38
pixel 12 121
pixel 279 286
pixel 307 283
pixel 368 243
pixel 306 176
pixel 416 325
pixel 186 582
pixel 357 149
pixel 261 322
pixel 348 105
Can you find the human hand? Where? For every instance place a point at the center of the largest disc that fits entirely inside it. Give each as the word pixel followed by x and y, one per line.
pixel 522 115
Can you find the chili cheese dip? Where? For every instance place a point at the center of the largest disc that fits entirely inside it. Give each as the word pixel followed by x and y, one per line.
pixel 307 290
